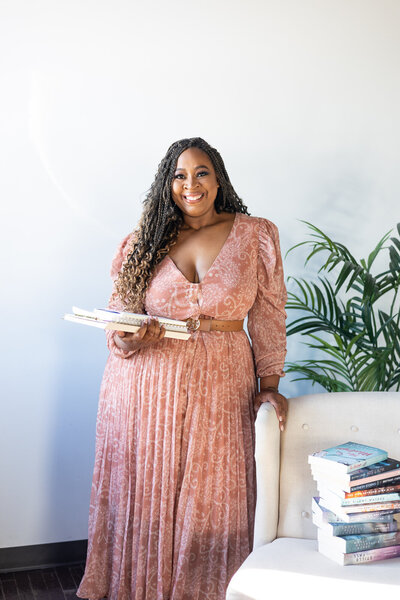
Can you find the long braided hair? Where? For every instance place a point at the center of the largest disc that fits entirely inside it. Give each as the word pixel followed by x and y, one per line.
pixel 161 221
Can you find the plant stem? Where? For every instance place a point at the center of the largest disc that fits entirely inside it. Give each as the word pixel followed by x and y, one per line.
pixel 392 305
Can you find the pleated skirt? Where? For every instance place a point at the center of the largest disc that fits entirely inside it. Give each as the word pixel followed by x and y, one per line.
pixel 173 493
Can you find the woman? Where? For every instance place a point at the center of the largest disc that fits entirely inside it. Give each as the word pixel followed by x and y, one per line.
pixel 173 495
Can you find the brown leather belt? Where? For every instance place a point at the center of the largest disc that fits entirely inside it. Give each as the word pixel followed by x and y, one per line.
pixel 213 325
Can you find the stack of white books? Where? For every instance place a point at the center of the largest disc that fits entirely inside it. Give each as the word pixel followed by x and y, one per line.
pixel 104 318
pixel 358 505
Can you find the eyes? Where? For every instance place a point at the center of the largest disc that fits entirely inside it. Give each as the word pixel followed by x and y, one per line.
pixel 199 174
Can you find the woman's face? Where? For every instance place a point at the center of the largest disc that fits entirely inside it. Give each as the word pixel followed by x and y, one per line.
pixel 195 185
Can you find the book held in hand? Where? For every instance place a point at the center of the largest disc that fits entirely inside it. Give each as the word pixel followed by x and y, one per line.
pixel 347 457
pixel 125 321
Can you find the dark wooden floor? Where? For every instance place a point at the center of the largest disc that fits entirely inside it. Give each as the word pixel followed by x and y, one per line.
pixel 58 583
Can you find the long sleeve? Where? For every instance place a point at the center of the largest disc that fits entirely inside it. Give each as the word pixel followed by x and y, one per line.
pixel 115 303
pixel 266 318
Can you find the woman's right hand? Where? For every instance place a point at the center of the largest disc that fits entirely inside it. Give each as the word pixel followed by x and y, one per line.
pixel 148 334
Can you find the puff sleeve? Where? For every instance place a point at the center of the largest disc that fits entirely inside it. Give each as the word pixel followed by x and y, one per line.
pixel 266 318
pixel 115 303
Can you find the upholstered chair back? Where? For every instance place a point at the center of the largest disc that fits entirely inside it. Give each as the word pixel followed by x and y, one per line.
pixel 284 483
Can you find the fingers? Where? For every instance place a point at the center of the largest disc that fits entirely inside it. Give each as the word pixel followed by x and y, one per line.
pixel 150 332
pixel 280 404
pixel 281 408
pixel 141 332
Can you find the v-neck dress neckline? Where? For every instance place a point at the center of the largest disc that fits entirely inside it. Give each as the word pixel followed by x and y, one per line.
pixel 230 234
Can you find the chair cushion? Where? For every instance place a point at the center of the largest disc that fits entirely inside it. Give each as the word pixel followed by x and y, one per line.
pixel 293 568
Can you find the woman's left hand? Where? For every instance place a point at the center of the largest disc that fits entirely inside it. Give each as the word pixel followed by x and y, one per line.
pixel 278 401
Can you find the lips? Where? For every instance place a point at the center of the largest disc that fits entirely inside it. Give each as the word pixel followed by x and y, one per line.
pixel 192 198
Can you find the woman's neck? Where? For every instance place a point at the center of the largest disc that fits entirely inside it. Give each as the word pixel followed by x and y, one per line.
pixel 202 221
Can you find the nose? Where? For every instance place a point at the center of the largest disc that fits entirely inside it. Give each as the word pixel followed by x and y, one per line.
pixel 191 182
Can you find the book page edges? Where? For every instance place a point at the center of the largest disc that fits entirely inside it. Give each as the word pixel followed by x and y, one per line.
pixel 95 322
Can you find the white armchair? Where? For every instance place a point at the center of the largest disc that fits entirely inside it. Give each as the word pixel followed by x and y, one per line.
pixel 285 560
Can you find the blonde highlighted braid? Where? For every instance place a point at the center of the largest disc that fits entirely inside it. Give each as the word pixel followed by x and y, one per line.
pixel 161 221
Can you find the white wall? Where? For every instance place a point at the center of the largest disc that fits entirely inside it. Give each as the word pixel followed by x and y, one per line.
pixel 300 97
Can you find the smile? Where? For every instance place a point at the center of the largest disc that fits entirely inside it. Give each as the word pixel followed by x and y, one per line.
pixel 192 198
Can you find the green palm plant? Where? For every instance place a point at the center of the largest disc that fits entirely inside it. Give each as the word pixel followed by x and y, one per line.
pixel 356 340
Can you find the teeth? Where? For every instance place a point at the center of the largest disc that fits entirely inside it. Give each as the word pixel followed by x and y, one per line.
pixel 193 197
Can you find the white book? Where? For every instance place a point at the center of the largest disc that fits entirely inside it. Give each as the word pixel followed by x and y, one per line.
pixel 340 529
pixel 343 512
pixel 355 558
pixel 326 515
pixel 337 501
pixel 358 542
pixel 346 458
pixel 349 485
pixel 125 321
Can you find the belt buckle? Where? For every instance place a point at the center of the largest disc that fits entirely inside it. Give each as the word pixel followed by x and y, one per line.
pixel 192 324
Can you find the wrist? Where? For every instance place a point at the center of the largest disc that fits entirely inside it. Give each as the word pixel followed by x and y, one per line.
pixel 269 388
pixel 122 344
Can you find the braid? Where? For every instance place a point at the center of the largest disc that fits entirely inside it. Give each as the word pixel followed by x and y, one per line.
pixel 161 221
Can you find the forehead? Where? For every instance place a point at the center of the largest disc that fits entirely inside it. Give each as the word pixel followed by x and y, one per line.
pixel 193 157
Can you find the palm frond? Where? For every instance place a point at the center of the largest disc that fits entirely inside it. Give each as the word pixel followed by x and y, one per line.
pixel 321 376
pixel 360 344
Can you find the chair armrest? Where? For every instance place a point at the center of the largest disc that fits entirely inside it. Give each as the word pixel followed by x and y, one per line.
pixel 267 469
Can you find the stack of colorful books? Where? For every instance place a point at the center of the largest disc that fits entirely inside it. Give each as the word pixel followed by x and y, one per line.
pixel 358 505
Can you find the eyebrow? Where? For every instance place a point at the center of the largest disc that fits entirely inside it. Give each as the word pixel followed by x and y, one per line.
pixel 198 167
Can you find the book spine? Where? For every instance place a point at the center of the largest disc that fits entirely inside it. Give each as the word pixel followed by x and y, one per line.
pixel 335 481
pixel 375 484
pixel 383 515
pixel 340 529
pixel 370 499
pixel 370 542
pixel 327 516
pixel 364 463
pixel 373 492
pixel 358 517
pixel 375 470
pixel 376 507
pixel 355 487
pixel 366 556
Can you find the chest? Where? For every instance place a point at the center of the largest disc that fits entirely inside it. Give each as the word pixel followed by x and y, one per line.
pixel 227 290
pixel 195 252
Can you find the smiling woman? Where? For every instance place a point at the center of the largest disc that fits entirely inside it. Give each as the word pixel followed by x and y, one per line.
pixel 195 186
pixel 204 232
pixel 173 495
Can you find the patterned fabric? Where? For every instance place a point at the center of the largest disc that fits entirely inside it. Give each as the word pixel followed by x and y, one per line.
pixel 173 494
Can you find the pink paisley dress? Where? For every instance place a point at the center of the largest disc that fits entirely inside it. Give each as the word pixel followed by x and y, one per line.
pixel 173 494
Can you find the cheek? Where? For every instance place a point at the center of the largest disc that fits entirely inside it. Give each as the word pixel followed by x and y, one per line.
pixel 176 187
pixel 214 183
pixel 214 187
pixel 176 193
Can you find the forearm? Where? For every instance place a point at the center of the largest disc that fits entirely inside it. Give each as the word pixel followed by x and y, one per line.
pixel 271 381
